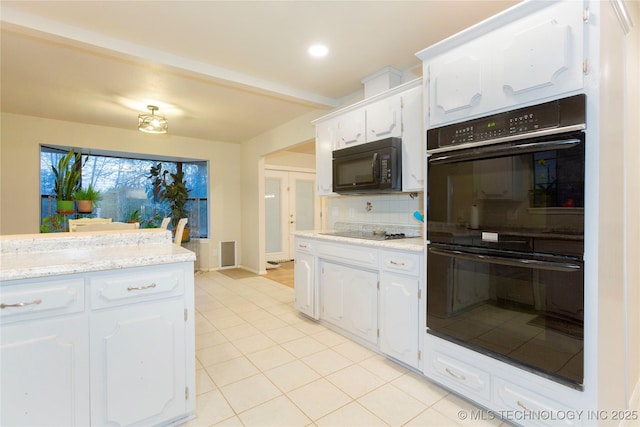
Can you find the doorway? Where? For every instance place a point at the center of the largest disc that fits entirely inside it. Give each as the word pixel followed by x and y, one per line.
pixel 290 205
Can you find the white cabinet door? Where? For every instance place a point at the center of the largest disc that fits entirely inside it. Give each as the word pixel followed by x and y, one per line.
pixel 325 144
pixel 537 57
pixel 384 118
pixel 45 372
pixel 349 299
pixel 350 128
pixel 138 366
pixel 413 140
pixel 399 324
pixel 361 300
pixel 332 292
pixel 542 55
pixel 304 280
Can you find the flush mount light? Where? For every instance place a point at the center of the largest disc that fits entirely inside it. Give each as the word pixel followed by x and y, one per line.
pixel 318 50
pixel 150 123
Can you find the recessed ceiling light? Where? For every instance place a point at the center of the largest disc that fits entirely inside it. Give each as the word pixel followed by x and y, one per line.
pixel 318 50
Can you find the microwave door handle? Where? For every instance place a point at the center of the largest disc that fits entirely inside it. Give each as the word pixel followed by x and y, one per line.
pixel 492 259
pixel 491 151
pixel 374 167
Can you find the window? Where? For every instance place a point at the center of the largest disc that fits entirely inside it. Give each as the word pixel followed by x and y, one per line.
pixel 124 184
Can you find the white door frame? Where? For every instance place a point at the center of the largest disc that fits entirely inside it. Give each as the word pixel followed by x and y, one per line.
pixel 287 205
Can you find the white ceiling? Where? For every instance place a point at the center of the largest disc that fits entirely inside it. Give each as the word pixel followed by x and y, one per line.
pixel 218 70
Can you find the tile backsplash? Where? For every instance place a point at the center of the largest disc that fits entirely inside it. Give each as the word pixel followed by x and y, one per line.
pixel 375 209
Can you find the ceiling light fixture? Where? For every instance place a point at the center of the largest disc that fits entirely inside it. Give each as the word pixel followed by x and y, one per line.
pixel 150 123
pixel 318 50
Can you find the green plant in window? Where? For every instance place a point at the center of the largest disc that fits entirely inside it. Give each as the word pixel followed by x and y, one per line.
pixel 67 175
pixel 171 187
pixel 53 224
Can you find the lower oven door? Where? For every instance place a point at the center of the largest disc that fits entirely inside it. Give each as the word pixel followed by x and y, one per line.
pixel 526 310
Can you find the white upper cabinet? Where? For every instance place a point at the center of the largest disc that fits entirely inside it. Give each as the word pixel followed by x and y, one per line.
pixel 537 57
pixel 350 129
pixel 384 118
pixel 395 113
pixel 413 140
pixel 325 140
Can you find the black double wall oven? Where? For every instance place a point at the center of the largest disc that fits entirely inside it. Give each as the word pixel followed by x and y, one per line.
pixel 505 225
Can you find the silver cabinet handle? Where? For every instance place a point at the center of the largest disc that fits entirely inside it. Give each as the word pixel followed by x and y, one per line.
pixel 523 406
pixel 141 288
pixel 21 304
pixel 460 377
pixel 392 262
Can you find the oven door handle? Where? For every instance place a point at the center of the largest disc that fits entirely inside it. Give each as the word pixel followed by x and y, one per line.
pixel 491 151
pixel 492 259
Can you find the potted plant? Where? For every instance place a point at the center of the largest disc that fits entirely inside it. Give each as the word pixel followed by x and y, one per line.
pixel 173 188
pixel 87 199
pixel 53 224
pixel 67 181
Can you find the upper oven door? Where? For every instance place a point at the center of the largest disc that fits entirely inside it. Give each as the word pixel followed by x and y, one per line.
pixel 525 195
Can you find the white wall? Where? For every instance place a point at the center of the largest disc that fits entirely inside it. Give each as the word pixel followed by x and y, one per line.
pixel 253 160
pixel 21 137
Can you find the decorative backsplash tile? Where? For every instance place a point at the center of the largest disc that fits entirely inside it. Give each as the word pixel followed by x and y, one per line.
pixel 391 212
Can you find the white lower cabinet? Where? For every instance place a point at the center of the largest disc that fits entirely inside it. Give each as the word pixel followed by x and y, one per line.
pixel 531 406
pixel 304 279
pixel 137 364
pixel 104 348
pixel 349 298
pixel 521 397
pixel 45 372
pixel 399 321
pixel 400 306
pixel 372 295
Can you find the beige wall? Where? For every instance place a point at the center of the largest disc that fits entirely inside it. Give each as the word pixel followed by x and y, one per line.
pixel 618 243
pixel 253 160
pixel 632 196
pixel 20 141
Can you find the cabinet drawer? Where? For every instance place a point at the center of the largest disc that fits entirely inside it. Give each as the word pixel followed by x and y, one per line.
pixel 459 375
pixel 349 254
pixel 526 402
pixel 44 298
pixel 114 289
pixel 400 262
pixel 304 245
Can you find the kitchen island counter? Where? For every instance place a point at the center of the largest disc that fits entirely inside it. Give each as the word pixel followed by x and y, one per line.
pixel 43 255
pixel 97 319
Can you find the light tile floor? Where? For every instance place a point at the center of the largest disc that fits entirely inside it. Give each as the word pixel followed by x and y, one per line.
pixel 260 363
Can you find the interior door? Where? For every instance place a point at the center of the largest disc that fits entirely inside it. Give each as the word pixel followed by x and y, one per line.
pixel 290 205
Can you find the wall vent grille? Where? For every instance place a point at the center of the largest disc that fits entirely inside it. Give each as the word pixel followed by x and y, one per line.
pixel 227 255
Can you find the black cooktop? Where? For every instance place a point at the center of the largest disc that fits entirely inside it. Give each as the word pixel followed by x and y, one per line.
pixel 366 235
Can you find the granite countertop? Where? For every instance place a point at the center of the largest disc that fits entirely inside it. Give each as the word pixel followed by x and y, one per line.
pixel 44 255
pixel 412 244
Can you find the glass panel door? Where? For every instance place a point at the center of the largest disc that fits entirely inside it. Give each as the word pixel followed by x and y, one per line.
pixel 290 205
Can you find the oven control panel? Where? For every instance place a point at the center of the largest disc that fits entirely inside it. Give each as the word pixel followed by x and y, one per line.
pixel 553 114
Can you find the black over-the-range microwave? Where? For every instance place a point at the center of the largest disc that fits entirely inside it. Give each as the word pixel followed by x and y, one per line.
pixel 373 167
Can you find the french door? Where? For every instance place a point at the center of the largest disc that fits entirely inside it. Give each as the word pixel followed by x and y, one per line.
pixel 290 205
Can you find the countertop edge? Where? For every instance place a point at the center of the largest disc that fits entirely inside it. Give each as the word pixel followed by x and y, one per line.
pixel 413 244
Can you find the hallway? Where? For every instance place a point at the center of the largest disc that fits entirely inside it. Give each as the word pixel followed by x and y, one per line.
pixel 258 363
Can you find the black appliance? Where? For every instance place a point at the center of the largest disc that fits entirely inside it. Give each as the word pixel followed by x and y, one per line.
pixel 373 167
pixel 367 235
pixel 505 225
